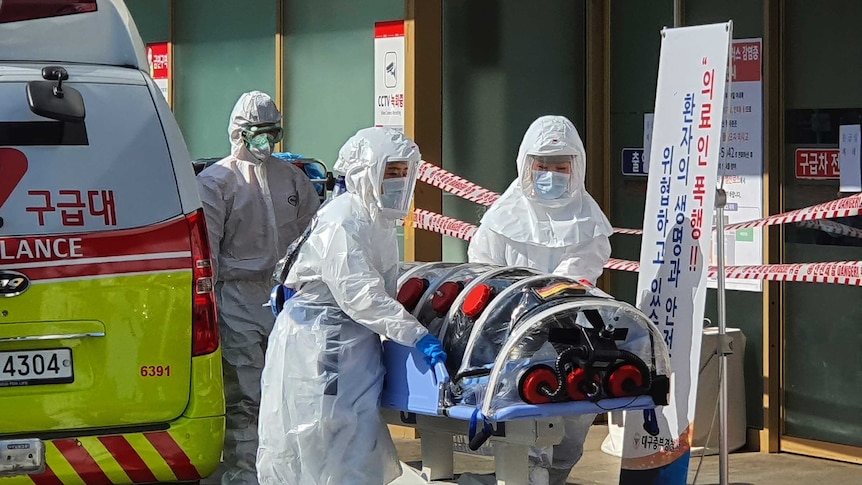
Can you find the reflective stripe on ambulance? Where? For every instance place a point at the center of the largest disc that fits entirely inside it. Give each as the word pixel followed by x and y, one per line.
pixel 131 458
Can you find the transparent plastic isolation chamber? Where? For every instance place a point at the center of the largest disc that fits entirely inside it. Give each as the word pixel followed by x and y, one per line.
pixel 522 344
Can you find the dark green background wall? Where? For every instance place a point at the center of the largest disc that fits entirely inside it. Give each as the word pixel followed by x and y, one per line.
pixel 504 65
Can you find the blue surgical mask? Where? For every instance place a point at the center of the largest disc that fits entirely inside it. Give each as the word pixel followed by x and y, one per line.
pixel 550 185
pixel 393 190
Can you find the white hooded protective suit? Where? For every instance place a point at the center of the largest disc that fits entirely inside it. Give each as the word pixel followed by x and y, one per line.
pixel 566 236
pixel 254 210
pixel 320 421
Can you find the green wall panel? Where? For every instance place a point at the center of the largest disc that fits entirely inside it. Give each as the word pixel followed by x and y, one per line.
pixel 220 51
pixel 504 65
pixel 329 71
pixel 153 19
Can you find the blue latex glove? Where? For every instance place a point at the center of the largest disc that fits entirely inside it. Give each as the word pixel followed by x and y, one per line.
pixel 432 348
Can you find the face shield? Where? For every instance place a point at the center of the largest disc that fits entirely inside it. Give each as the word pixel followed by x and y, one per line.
pixel 396 188
pixel 549 177
pixel 261 138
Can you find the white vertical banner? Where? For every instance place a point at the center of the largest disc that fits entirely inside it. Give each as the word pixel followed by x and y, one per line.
pixel 742 164
pixel 684 157
pixel 389 64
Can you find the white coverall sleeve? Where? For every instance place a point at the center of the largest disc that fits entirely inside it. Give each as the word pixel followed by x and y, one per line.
pixel 216 212
pixel 586 260
pixel 487 247
pixel 360 290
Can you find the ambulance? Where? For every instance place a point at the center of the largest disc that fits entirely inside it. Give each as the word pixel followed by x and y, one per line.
pixel 110 364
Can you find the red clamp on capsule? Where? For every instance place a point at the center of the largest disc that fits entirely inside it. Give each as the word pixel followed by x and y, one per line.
pixel 533 381
pixel 625 380
pixel 578 389
pixel 411 292
pixel 445 296
pixel 477 300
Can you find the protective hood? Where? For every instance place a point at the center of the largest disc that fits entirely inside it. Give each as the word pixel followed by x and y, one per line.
pixel 254 107
pixel 363 160
pixel 560 222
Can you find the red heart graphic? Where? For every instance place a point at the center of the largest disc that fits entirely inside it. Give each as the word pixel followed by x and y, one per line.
pixel 13 166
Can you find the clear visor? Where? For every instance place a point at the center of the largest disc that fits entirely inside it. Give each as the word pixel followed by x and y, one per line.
pixel 396 188
pixel 549 177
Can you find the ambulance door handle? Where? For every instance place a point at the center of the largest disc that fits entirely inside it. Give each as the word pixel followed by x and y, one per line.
pixel 34 338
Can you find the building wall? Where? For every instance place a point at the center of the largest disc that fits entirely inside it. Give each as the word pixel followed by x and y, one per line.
pixel 505 64
pixel 220 51
pixel 329 71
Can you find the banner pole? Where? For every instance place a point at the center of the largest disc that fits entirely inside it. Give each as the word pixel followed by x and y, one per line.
pixel 723 343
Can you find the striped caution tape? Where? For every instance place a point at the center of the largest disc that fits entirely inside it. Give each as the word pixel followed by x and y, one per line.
pixel 844 207
pixel 838 272
pixel 455 185
pixel 441 224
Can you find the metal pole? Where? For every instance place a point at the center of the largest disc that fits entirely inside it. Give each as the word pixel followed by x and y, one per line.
pixel 677 13
pixel 723 343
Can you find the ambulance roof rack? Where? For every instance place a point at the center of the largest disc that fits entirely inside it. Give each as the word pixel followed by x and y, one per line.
pixel 70 31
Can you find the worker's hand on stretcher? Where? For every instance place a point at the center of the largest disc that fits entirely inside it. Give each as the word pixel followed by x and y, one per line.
pixel 432 348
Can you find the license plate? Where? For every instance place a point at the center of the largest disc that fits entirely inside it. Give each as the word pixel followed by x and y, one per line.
pixel 34 367
pixel 21 457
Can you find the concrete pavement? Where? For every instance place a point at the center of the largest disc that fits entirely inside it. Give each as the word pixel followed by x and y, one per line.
pixel 746 468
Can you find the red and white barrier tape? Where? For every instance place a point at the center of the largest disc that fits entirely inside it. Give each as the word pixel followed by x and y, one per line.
pixel 839 272
pixel 455 185
pixel 845 207
pixel 441 224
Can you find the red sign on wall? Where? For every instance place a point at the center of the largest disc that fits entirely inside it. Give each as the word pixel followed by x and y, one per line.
pixel 817 163
pixel 158 57
pixel 747 61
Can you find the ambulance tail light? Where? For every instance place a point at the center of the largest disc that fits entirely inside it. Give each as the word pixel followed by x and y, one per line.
pixel 205 332
pixel 20 10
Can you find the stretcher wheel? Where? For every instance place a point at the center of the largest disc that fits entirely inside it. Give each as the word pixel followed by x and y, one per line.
pixel 534 380
pixel 625 380
pixel 579 388
pixel 411 292
pixel 477 300
pixel 445 296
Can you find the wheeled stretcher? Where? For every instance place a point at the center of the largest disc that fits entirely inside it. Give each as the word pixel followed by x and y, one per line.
pixel 524 349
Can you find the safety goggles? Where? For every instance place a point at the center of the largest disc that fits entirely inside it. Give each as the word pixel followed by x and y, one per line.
pixel 257 135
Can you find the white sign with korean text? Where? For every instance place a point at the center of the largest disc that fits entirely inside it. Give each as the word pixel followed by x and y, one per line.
pixel 742 164
pixel 848 148
pixel 389 74
pixel 684 158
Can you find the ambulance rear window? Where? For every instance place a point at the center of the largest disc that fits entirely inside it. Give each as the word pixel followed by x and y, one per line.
pixel 19 10
pixel 42 133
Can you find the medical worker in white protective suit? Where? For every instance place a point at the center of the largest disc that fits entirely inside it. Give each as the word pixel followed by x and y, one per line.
pixel 546 220
pixel 255 206
pixel 320 421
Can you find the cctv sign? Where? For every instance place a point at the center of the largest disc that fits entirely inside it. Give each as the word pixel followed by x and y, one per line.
pixel 389 74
